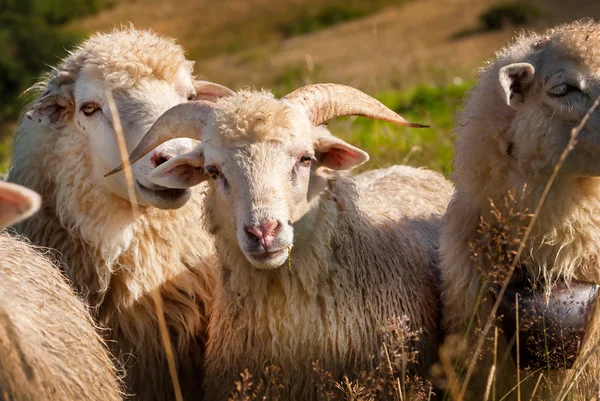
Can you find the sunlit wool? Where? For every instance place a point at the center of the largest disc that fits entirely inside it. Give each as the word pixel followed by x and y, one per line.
pixel 48 343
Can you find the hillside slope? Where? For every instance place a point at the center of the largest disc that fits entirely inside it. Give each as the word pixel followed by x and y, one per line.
pixel 239 43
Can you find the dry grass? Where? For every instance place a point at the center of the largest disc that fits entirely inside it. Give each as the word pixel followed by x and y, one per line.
pixel 162 324
pixel 523 241
pixel 389 379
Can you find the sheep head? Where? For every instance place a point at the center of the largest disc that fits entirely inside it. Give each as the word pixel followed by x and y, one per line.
pixel 267 159
pixel 524 108
pixel 146 75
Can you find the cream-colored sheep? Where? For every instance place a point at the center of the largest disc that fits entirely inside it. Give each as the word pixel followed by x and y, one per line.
pixel 64 144
pixel 49 348
pixel 312 263
pixel 516 123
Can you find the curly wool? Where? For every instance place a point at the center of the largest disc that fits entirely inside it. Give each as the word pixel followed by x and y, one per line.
pixel 251 115
pixel 116 260
pixel 49 346
pixel 123 57
pixel 567 232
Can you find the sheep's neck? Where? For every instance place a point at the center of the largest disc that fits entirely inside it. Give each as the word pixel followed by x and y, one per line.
pixel 283 310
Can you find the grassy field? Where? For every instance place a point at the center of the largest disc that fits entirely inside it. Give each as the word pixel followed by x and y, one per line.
pixel 387 144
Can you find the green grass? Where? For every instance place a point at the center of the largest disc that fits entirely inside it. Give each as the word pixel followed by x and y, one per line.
pixel 388 144
pixel 5 151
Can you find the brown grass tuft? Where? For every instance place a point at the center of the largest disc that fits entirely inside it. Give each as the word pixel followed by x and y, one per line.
pixel 389 379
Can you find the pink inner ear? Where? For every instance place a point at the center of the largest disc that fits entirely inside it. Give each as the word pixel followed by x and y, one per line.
pixel 340 158
pixel 12 206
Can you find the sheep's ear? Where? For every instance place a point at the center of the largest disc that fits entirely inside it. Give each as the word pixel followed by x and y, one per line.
pixel 338 155
pixel 211 91
pixel 183 171
pixel 16 203
pixel 515 80
pixel 54 109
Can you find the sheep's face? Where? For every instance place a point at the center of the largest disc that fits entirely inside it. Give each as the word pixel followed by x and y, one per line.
pixel 264 180
pixel 551 89
pixel 138 108
pixel 83 108
pixel 264 188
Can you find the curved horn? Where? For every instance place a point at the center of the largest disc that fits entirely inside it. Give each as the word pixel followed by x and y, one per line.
pixel 186 120
pixel 326 101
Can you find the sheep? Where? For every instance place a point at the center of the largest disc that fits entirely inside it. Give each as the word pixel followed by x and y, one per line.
pixel 515 125
pixel 312 263
pixel 49 346
pixel 64 144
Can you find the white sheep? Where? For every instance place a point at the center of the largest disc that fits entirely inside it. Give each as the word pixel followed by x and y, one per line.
pixel 64 144
pixel 49 348
pixel 516 123
pixel 312 263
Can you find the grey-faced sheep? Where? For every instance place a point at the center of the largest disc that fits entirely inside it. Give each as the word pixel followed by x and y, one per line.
pixel 516 123
pixel 311 264
pixel 49 348
pixel 64 144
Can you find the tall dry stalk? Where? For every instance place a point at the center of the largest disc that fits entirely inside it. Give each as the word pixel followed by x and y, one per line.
pixel 490 321
pixel 162 324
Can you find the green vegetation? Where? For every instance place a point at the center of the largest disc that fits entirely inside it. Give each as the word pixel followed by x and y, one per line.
pixel 52 12
pixel 31 38
pixel 515 13
pixel 388 144
pixel 314 19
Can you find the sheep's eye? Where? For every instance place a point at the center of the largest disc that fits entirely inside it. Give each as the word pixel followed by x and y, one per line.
pixel 305 160
pixel 562 90
pixel 89 108
pixel 212 171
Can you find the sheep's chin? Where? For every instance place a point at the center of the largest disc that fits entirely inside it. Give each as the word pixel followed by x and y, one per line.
pixel 163 198
pixel 268 261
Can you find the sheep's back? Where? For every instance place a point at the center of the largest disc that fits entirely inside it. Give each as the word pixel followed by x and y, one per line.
pixel 390 234
pixel 49 338
pixel 403 191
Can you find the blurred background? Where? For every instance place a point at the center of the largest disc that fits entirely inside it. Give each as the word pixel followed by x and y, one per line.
pixel 417 56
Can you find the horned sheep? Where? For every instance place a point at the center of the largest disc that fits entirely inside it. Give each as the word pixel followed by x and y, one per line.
pixel 312 264
pixel 64 144
pixel 49 345
pixel 516 124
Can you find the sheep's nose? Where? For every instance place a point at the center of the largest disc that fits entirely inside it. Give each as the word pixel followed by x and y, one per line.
pixel 265 233
pixel 159 158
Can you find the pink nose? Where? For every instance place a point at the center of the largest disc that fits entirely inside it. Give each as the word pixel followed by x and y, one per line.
pixel 265 234
pixel 159 158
